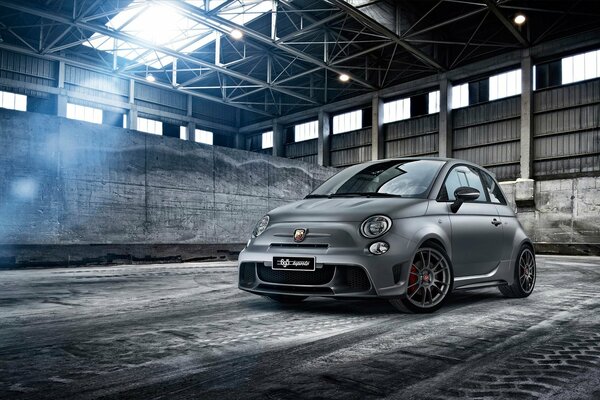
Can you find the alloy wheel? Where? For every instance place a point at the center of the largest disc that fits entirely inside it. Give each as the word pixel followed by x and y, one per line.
pixel 429 278
pixel 527 270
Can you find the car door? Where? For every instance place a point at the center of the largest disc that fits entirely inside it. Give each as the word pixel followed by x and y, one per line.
pixel 476 227
pixel 505 213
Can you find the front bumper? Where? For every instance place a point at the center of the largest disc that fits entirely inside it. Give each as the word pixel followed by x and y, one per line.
pixel 344 267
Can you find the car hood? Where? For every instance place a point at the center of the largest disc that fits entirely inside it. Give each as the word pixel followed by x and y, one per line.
pixel 348 209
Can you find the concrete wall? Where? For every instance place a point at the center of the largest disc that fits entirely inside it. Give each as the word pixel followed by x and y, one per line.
pixel 71 183
pixel 565 217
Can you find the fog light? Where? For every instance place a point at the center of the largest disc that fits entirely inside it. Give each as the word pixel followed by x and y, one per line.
pixel 379 248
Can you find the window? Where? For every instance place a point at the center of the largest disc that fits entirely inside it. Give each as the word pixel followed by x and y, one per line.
pixel 165 26
pixel 306 131
pixel 183 133
pixel 203 136
pixel 267 140
pixel 411 178
pixel 347 122
pixel 83 113
pixel 460 96
pixel 581 67
pixel 13 101
pixel 493 189
pixel 434 102
pixel 149 126
pixel 396 110
pixel 505 85
pixel 461 175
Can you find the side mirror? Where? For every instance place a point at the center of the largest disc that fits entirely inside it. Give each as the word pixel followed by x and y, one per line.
pixel 462 195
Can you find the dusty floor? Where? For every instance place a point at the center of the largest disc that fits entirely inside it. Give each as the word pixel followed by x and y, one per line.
pixel 186 331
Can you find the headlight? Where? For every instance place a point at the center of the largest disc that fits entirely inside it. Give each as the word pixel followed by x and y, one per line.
pixel 261 226
pixel 375 226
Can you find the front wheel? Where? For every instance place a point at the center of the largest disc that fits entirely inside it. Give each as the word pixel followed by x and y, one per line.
pixel 525 274
pixel 429 283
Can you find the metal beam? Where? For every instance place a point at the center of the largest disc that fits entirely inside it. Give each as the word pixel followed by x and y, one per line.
pixel 145 44
pixel 377 27
pixel 130 76
pixel 219 24
pixel 513 30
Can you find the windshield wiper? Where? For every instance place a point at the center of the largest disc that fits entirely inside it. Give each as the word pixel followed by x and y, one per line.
pixel 365 194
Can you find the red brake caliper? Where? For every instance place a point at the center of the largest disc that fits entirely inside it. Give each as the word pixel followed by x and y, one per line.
pixel 412 279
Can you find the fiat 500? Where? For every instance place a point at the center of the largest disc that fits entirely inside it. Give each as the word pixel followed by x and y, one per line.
pixel 408 230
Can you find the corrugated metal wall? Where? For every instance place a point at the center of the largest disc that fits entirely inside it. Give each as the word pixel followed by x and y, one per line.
pixel 160 99
pixel 351 148
pixel 95 84
pixel 412 137
pixel 23 68
pixel 489 134
pixel 305 151
pixel 567 130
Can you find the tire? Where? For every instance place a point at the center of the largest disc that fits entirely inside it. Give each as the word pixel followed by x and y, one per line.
pixel 429 283
pixel 285 299
pixel 525 275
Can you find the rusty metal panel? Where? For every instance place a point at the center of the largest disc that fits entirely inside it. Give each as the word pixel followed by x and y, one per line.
pixel 350 156
pixel 351 148
pixel 411 127
pixel 23 68
pixel 568 144
pixel 80 78
pixel 497 154
pixel 487 112
pixel 160 99
pixel 478 135
pixel 553 168
pixel 346 140
pixel 567 120
pixel 572 95
pixel 302 149
pixel 424 145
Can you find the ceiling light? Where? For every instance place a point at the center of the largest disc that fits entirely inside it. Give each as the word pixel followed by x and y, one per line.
pixel 150 78
pixel 237 34
pixel 520 19
pixel 344 77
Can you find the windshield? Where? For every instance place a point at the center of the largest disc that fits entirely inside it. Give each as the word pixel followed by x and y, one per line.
pixel 394 178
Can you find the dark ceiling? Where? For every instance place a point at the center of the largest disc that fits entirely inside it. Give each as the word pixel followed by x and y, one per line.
pixel 376 43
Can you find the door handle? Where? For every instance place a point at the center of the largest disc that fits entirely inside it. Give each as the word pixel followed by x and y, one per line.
pixel 495 222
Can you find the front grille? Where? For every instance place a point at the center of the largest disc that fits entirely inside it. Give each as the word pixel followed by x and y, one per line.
pixel 300 245
pixel 320 276
pixel 356 278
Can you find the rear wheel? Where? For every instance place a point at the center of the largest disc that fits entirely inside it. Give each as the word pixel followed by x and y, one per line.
pixel 525 275
pixel 430 281
pixel 285 299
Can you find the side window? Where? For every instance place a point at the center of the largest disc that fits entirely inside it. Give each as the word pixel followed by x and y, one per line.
pixel 493 189
pixel 461 175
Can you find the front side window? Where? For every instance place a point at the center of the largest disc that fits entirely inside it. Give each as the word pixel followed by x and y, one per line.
pixel 409 178
pixel 493 189
pixel 459 176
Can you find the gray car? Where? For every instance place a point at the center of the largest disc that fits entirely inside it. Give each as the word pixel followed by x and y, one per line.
pixel 410 230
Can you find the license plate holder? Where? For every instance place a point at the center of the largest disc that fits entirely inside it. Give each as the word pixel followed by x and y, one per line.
pixel 294 263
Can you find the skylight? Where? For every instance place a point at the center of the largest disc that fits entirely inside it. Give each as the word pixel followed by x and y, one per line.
pixel 164 26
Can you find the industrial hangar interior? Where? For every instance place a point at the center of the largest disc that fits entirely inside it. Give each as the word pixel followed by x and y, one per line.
pixel 145 143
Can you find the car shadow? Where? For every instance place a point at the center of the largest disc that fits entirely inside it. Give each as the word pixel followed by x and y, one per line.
pixel 381 307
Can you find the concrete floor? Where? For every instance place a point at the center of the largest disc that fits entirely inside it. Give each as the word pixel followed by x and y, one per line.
pixel 186 331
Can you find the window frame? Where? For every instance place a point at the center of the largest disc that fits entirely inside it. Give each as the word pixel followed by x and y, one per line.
pixel 479 171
